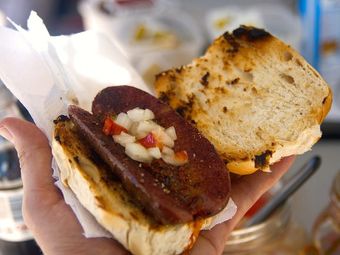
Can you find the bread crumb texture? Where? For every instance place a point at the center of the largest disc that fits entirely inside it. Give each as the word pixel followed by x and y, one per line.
pixel 252 96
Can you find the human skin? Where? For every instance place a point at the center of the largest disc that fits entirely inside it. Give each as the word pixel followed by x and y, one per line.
pixel 56 228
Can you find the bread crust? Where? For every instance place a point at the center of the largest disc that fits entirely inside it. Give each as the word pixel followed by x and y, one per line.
pixel 108 202
pixel 241 72
pixel 327 104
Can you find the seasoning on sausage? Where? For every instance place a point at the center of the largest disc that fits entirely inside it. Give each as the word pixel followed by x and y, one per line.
pixel 171 194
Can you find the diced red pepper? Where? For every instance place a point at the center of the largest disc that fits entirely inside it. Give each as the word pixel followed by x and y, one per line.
pixel 181 156
pixel 148 141
pixel 117 129
pixel 108 123
pixel 112 128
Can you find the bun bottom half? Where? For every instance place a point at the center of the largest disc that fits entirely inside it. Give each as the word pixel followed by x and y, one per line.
pixel 104 197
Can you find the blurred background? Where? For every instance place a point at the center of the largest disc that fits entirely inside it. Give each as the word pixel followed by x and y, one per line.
pixel 155 35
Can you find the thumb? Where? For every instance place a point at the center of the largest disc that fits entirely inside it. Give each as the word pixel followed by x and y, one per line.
pixel 34 154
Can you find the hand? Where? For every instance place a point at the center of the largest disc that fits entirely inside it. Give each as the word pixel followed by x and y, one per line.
pixel 56 228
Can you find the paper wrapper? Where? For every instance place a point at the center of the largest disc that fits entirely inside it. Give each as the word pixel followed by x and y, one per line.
pixel 48 73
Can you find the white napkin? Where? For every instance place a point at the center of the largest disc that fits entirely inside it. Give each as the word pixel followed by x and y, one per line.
pixel 48 73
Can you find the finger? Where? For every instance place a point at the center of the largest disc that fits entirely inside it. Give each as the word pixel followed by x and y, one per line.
pixel 51 221
pixel 246 190
pixel 34 154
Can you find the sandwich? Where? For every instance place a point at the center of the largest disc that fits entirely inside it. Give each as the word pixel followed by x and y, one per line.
pixel 252 96
pixel 155 172
pixel 145 173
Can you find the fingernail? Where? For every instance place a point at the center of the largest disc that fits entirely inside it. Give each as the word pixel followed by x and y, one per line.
pixel 5 133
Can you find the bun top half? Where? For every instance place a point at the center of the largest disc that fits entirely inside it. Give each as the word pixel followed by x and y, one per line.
pixel 254 97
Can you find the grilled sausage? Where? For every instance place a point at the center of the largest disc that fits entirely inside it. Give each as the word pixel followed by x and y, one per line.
pixel 171 194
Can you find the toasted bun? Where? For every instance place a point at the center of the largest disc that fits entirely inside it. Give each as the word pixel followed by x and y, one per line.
pixel 254 97
pixel 107 201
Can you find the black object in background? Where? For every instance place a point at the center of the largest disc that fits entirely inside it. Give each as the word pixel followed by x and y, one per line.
pixel 19 248
pixel 330 130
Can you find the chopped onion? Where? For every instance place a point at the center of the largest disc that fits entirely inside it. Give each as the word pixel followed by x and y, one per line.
pixel 123 139
pixel 155 152
pixel 136 114
pixel 169 159
pixel 148 115
pixel 145 140
pixel 142 128
pixel 167 151
pixel 133 128
pixel 138 152
pixel 173 160
pixel 124 120
pixel 170 131
pixel 164 138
